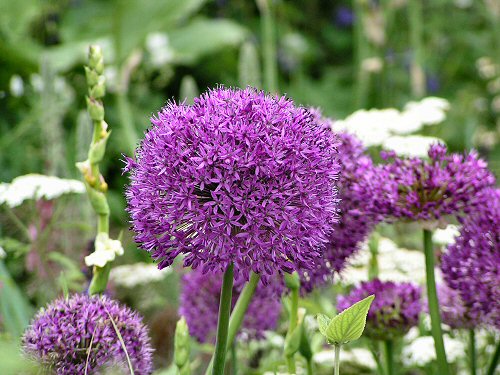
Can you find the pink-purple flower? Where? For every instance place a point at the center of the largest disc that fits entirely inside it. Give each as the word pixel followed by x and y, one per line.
pixel 199 304
pixel 471 265
pixel 394 310
pixel 239 177
pixel 76 336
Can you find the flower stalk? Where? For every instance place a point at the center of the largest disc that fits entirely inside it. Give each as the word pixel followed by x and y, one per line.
pixel 472 352
pixel 292 281
pixel 432 297
pixel 389 356
pixel 223 322
pixel 494 361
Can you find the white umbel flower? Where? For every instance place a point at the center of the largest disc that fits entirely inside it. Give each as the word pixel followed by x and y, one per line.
pixel 421 351
pixel 446 236
pixel 429 111
pixel 37 186
pixel 132 275
pixel 411 145
pixel 106 250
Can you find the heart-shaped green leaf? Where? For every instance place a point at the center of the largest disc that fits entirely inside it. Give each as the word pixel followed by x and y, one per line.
pixel 348 325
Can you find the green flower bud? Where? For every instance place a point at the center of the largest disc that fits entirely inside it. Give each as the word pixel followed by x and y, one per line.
pixel 182 347
pixel 97 150
pixel 95 56
pixel 95 109
pixel 91 76
pixel 98 201
pixel 292 280
pixel 99 90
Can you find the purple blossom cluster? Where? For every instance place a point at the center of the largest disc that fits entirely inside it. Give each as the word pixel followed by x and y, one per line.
pixel 394 310
pixel 76 336
pixel 237 177
pixel 471 265
pixel 355 222
pixel 453 310
pixel 199 304
pixel 429 189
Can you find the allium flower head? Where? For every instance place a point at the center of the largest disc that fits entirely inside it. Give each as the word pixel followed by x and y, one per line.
pixel 394 310
pixel 427 190
pixel 237 177
pixel 453 310
pixel 471 265
pixel 199 304
pixel 355 223
pixel 77 333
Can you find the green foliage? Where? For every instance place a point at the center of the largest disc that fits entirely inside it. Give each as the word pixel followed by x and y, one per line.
pixel 348 325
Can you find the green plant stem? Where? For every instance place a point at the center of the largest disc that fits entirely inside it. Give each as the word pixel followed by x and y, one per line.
pixel 494 360
pixel 239 312
pixel 223 322
pixel 389 356
pixel 417 72
pixel 362 51
pixel 309 367
pixel 336 363
pixel 99 279
pixel 434 304
pixel 234 359
pixel 472 351
pixel 294 309
pixel 269 54
pixel 23 228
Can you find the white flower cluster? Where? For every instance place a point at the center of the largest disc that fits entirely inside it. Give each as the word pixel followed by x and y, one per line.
pixel 356 355
pixel 394 264
pixel 420 351
pixel 410 145
pixel 37 186
pixel 131 275
pixel 384 127
pixel 105 251
pixel 446 236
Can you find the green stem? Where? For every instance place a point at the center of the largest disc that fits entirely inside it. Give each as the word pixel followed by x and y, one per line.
pixel 239 312
pixel 416 39
pixel 373 269
pixel 472 351
pixel 389 356
pixel 223 322
pixel 23 228
pixel 269 46
pixel 434 304
pixel 494 361
pixel 294 309
pixel 309 367
pixel 362 51
pixel 336 363
pixel 99 279
pixel 234 359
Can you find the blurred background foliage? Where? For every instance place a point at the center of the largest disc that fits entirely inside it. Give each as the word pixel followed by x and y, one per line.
pixel 337 55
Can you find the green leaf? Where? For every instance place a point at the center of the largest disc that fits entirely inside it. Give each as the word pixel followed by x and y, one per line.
pixel 348 325
pixel 323 322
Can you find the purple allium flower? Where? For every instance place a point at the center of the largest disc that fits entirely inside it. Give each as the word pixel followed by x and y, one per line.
pixel 420 189
pixel 471 265
pixel 237 177
pixel 355 222
pixel 199 304
pixel 453 310
pixel 62 334
pixel 394 310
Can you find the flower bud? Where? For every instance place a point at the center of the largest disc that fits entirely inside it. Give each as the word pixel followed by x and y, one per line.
pixel 91 76
pixel 95 109
pixel 96 59
pixel 99 89
pixel 182 347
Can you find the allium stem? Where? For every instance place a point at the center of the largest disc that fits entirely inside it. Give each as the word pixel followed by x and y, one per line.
pixel 434 304
pixel 239 312
pixel 472 352
pixel 294 310
pixel 223 323
pixel 494 360
pixel 389 356
pixel 234 359
pixel 269 46
pixel 336 360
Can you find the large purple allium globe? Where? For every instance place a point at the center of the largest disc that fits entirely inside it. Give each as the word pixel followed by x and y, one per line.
pixel 394 310
pixel 199 304
pixel 471 265
pixel 76 336
pixel 453 310
pixel 429 189
pixel 237 177
pixel 355 223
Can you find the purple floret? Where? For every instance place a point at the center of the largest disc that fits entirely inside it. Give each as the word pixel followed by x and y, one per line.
pixel 429 189
pixel 454 312
pixel 394 310
pixel 237 177
pixel 62 334
pixel 199 304
pixel 471 265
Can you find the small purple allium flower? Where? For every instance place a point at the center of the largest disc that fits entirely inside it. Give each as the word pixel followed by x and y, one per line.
pixel 355 222
pixel 453 310
pixel 419 189
pixel 62 334
pixel 237 177
pixel 394 310
pixel 199 304
pixel 471 265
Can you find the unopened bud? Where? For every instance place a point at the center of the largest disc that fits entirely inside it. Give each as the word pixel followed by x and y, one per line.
pixel 91 76
pixel 99 89
pixel 96 59
pixel 95 109
pixel 181 344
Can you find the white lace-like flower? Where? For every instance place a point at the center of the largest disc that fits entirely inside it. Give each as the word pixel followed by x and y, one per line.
pixel 429 111
pixel 131 275
pixel 356 355
pixel 106 250
pixel 411 145
pixel 445 236
pixel 37 186
pixel 421 350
